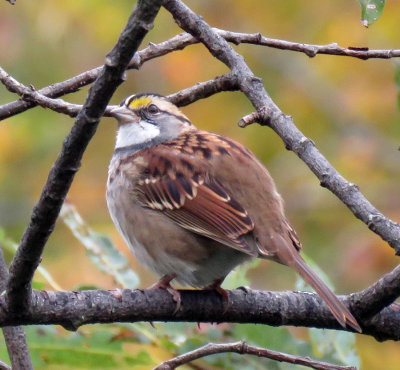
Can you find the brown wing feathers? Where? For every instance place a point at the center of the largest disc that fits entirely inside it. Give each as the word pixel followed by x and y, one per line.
pixel 180 187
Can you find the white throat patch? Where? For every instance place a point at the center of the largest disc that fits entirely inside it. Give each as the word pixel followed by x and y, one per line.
pixel 136 133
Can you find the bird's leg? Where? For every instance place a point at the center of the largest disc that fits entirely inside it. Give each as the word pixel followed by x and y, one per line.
pixel 216 285
pixel 164 283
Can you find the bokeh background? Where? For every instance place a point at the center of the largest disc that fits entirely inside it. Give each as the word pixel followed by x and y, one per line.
pixel 349 107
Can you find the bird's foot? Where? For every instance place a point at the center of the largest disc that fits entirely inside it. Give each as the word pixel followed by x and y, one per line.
pixel 216 285
pixel 164 283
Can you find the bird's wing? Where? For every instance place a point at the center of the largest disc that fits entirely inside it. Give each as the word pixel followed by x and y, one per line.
pixel 293 236
pixel 177 184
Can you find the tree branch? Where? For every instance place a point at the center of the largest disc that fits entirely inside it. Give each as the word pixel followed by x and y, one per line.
pixel 329 177
pixel 46 211
pixel 75 83
pixel 30 95
pixel 14 336
pixel 181 98
pixel 183 40
pixel 382 293
pixel 311 50
pixel 283 125
pixel 243 348
pixel 4 366
pixel 202 90
pixel 73 309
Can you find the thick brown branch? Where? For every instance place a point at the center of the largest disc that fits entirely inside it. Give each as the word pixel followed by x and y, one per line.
pixel 61 175
pixel 73 309
pixel 243 348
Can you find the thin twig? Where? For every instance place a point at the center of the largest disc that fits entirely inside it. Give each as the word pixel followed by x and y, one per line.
pixel 30 95
pixel 14 336
pixel 181 98
pixel 76 83
pixel 46 211
pixel 243 348
pixel 254 117
pixel 4 366
pixel 183 40
pixel 202 90
pixel 311 50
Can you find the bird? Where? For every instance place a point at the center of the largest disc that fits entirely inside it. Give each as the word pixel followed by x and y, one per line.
pixel 192 205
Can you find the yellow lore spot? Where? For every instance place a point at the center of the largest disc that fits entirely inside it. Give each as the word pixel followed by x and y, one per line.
pixel 139 102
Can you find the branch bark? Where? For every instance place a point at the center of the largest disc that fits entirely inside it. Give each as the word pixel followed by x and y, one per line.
pixel 46 211
pixel 73 309
pixel 14 336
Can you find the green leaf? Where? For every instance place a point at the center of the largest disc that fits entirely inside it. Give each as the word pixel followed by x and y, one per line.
pixel 371 10
pixel 101 250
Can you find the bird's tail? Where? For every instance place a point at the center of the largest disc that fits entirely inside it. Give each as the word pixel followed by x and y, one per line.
pixel 338 309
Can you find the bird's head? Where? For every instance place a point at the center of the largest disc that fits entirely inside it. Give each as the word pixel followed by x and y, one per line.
pixel 145 120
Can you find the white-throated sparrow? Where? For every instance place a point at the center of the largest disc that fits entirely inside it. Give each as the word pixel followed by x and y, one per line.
pixel 192 205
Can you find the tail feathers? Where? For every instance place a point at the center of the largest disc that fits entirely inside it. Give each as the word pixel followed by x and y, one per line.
pixel 338 309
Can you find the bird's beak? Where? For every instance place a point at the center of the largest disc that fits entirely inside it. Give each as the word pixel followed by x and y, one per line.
pixel 123 115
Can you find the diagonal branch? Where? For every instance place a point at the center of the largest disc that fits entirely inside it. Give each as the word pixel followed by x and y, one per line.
pixel 46 211
pixel 243 348
pixel 283 125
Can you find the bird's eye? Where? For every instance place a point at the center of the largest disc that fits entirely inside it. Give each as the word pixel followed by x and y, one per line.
pixel 153 109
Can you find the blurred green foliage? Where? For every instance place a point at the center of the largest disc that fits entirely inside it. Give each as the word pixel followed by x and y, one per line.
pixel 347 106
